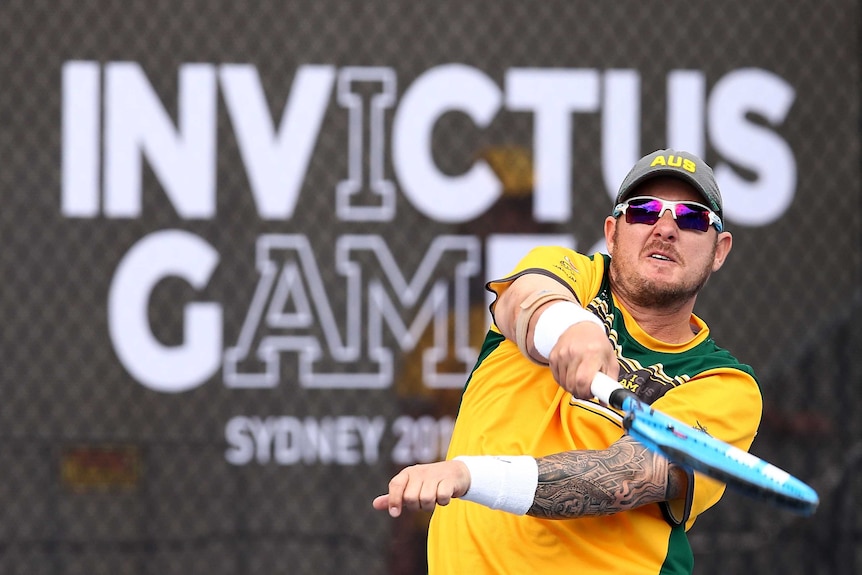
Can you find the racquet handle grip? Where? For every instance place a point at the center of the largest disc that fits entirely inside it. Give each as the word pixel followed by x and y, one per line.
pixel 608 390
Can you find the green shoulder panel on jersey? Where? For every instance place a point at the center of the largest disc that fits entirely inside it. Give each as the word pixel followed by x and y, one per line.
pixel 492 342
pixel 679 559
pixel 705 356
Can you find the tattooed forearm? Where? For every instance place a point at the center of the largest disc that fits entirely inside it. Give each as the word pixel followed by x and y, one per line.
pixel 587 483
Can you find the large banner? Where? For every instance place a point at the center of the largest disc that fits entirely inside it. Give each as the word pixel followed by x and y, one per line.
pixel 244 249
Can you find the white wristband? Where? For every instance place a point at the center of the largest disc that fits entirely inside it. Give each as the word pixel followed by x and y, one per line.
pixel 504 483
pixel 555 319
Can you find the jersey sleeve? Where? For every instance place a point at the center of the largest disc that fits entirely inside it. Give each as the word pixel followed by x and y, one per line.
pixel 727 404
pixel 581 274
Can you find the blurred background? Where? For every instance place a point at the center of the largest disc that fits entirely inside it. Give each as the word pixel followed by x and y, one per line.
pixel 242 250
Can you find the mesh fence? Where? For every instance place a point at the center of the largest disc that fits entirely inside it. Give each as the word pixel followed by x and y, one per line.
pixel 232 230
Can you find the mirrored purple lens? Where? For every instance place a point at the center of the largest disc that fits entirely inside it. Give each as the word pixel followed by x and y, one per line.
pixel 688 217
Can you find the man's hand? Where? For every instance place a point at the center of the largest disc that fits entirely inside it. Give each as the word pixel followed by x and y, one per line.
pixel 581 351
pixel 422 487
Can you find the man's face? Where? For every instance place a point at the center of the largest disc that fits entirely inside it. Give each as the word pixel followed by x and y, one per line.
pixel 661 265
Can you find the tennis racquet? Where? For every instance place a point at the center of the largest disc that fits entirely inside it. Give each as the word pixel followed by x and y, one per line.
pixel 697 451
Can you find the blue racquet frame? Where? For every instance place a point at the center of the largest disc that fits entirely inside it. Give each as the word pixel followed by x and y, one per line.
pixel 698 451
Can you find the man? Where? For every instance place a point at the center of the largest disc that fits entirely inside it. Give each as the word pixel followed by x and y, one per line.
pixel 572 492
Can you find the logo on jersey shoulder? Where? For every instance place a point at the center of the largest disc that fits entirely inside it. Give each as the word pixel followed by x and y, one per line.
pixel 648 383
pixel 568 268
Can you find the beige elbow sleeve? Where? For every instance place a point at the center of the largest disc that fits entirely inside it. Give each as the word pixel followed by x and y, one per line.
pixel 528 309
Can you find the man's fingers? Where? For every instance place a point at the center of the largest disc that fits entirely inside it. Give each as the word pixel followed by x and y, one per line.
pixel 397 488
pixel 412 490
pixel 428 496
pixel 436 493
pixel 445 492
pixel 381 502
pixel 423 487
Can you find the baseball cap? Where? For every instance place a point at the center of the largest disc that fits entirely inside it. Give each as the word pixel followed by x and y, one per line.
pixel 677 164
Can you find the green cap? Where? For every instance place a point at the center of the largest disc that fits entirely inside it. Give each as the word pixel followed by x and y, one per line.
pixel 676 164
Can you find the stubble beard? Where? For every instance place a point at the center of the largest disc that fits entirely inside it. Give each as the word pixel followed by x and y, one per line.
pixel 645 292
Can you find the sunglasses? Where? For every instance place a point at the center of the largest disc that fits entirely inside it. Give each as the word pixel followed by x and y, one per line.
pixel 648 210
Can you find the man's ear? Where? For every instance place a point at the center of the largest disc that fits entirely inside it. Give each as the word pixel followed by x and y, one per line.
pixel 722 248
pixel 610 230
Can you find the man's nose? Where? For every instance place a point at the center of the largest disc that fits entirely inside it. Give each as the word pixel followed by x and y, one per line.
pixel 666 224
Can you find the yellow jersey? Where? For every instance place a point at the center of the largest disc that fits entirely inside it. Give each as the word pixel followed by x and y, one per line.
pixel 512 406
